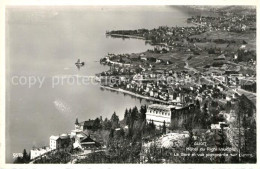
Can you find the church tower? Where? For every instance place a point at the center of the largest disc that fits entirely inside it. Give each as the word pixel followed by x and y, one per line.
pixel 76 124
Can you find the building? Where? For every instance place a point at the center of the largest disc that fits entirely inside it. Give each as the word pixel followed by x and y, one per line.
pixel 84 125
pixel 59 141
pixel 36 152
pixel 158 113
pixel 54 142
pixel 75 132
pixel 79 136
pixel 218 126
pixel 86 143
pixel 89 143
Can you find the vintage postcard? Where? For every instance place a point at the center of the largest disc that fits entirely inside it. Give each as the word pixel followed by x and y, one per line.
pixel 129 84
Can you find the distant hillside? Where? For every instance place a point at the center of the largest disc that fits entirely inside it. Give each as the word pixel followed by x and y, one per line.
pixel 241 9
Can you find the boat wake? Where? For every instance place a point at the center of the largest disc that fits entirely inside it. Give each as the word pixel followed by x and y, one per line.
pixel 62 107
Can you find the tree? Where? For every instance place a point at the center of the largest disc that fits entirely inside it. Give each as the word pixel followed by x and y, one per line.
pixel 18 160
pixel 126 114
pixel 26 157
pixel 106 125
pixel 188 124
pixel 134 114
pixel 191 139
pixel 77 122
pixel 153 154
pixel 152 127
pixel 197 103
pixel 96 124
pixel 164 128
pixel 246 122
pixel 143 111
pixel 115 121
pixel 245 129
pixel 205 107
pixel 119 134
pixel 221 142
pixel 126 117
pixel 111 134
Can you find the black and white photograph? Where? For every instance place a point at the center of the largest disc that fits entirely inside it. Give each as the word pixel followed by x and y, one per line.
pixel 130 84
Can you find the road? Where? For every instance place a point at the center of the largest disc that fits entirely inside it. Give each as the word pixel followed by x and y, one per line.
pixel 190 68
pixel 250 95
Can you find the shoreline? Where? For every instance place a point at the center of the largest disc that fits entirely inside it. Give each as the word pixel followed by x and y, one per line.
pixel 125 36
pixel 134 94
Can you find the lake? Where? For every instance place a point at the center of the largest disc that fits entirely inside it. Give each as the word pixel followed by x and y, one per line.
pixel 45 42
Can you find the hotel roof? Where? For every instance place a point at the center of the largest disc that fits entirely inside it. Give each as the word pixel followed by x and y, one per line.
pixel 54 137
pixel 160 106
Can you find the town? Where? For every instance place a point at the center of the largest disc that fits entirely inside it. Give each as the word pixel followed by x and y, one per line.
pixel 220 52
pixel 201 81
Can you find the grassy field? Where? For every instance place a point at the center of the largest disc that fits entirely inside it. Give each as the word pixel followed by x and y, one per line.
pixel 177 60
pixel 249 37
pixel 200 60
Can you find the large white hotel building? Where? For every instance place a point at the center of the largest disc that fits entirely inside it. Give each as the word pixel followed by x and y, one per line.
pixel 159 113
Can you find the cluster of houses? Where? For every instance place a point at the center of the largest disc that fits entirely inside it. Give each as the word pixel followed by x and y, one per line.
pixel 36 152
pixel 231 23
pixel 169 36
pixel 161 83
pixel 232 79
pixel 159 86
pixel 79 138
pixel 164 35
pixel 112 59
pixel 124 64
pixel 167 39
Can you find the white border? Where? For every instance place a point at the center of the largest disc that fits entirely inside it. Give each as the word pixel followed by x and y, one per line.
pixel 5 3
pixel 129 2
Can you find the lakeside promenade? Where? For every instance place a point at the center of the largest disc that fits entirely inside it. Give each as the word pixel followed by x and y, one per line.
pixel 134 94
pixel 125 36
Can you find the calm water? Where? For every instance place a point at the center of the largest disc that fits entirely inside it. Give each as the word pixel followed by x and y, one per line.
pixel 46 42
